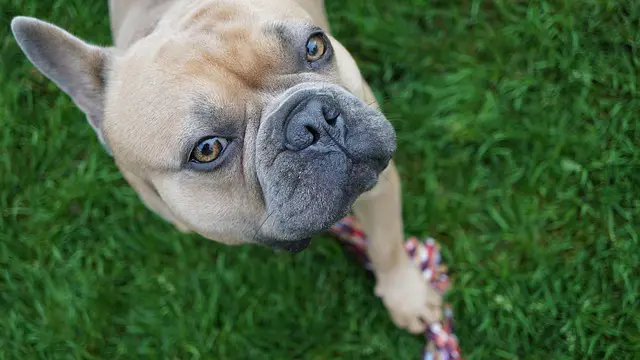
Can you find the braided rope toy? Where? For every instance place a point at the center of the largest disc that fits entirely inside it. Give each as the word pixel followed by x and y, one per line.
pixel 442 344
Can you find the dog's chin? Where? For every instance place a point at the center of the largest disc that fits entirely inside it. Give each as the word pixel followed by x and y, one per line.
pixel 292 246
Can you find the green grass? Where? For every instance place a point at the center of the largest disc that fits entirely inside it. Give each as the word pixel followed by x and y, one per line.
pixel 519 147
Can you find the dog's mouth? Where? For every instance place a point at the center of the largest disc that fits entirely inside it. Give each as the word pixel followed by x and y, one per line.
pixel 317 149
pixel 294 246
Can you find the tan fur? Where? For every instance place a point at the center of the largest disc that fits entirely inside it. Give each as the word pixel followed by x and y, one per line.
pixel 167 51
pixel 201 47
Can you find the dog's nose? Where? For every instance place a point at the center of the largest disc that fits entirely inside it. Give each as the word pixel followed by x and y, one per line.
pixel 309 122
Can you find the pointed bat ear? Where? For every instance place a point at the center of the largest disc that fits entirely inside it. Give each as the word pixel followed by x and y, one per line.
pixel 76 67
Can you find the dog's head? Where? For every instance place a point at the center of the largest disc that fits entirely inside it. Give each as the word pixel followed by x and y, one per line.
pixel 237 121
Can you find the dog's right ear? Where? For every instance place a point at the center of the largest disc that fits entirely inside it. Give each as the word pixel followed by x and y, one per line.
pixel 78 68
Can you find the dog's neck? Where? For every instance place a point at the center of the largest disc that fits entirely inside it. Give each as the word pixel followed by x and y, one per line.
pixel 132 20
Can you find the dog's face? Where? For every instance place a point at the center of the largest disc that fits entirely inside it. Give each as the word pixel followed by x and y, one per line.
pixel 241 122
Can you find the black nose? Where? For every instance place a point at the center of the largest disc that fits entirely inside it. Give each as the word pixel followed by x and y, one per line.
pixel 310 122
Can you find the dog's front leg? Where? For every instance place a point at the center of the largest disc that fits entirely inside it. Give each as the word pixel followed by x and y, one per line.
pixel 408 297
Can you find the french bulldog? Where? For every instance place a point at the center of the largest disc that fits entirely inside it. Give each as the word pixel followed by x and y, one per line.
pixel 244 121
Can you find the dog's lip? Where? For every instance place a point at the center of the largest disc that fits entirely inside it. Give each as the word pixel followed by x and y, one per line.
pixel 371 184
pixel 292 246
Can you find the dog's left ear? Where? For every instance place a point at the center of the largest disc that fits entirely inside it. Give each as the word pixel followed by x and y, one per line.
pixel 78 68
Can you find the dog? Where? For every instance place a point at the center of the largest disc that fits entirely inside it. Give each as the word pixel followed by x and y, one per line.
pixel 244 121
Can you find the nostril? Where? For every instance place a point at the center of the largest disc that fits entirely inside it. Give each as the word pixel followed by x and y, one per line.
pixel 313 133
pixel 331 115
pixel 332 121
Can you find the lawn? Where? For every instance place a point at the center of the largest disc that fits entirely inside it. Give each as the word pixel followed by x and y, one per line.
pixel 519 148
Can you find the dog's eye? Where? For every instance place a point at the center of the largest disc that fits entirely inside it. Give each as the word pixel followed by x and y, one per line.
pixel 208 150
pixel 316 47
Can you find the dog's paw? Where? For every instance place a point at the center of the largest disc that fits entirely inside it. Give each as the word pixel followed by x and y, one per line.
pixel 409 298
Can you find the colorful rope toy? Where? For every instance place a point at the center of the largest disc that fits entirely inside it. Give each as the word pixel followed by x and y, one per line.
pixel 442 344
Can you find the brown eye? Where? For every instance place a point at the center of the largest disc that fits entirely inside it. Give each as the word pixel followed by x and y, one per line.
pixel 316 47
pixel 208 150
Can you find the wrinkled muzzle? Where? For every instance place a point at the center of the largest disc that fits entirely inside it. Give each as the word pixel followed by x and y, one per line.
pixel 318 148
